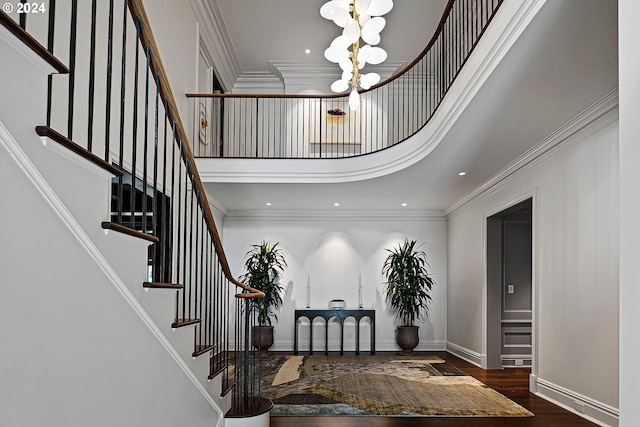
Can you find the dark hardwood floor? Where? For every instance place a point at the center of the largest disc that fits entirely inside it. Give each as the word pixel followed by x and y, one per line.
pixel 512 382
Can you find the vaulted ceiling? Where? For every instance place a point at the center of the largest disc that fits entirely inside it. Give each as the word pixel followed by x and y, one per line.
pixel 564 61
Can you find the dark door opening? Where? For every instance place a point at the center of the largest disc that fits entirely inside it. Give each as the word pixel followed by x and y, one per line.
pixel 509 287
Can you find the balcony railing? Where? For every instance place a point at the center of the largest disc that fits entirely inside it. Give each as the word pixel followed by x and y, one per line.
pixel 301 126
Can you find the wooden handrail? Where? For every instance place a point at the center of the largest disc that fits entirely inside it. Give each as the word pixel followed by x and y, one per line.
pixel 147 39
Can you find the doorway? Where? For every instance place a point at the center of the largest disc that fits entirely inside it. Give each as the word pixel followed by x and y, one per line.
pixel 509 287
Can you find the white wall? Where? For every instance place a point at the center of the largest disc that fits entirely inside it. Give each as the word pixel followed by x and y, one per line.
pixel 629 57
pixel 576 274
pixel 333 251
pixel 176 32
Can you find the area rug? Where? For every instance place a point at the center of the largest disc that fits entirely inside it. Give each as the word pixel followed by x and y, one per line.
pixel 378 385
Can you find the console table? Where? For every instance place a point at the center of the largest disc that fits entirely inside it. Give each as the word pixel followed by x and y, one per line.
pixel 341 315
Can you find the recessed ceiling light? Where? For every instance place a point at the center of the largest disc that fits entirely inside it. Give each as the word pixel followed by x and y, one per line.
pixel 462 173
pixel 336 204
pixel 404 204
pixel 268 203
pixel 307 51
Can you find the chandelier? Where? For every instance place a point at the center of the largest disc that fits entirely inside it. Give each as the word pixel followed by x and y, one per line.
pixel 358 19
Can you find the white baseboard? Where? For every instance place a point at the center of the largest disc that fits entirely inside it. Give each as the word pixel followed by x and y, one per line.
pixel 465 354
pixel 590 409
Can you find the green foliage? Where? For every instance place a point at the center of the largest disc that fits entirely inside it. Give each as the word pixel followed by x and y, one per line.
pixel 408 284
pixel 264 264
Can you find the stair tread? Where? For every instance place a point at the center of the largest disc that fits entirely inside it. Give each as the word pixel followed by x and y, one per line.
pixel 32 43
pixel 52 134
pixel 202 349
pixel 178 323
pixel 108 225
pixel 162 285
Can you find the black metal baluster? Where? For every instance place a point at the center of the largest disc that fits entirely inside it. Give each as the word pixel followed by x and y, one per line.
pixel 167 238
pixel 50 43
pixel 221 130
pixel 256 128
pixel 145 146
pixel 178 252
pixel 195 279
pixel 134 139
pixel 158 259
pixel 122 111
pixel 207 282
pixel 191 221
pixel 92 75
pixel 72 66
pixel 23 15
pixel 107 129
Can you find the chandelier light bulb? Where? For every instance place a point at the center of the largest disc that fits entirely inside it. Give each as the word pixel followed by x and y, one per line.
pixel 354 100
pixel 368 80
pixel 340 86
pixel 377 55
pixel 371 30
pixel 352 31
pixel 325 10
pixel 362 6
pixel 340 16
pixel 341 41
pixel 336 53
pixel 345 64
pixel 379 7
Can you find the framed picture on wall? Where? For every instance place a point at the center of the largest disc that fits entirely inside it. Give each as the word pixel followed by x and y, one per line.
pixel 335 123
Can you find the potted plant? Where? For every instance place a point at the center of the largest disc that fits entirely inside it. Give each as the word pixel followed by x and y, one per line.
pixel 264 264
pixel 408 290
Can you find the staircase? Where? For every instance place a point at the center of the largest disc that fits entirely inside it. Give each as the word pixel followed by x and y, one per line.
pixel 129 314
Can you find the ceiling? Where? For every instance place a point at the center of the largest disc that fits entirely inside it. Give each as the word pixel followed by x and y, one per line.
pixel 265 33
pixel 565 61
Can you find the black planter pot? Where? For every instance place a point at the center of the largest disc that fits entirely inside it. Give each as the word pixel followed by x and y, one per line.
pixel 262 337
pixel 407 338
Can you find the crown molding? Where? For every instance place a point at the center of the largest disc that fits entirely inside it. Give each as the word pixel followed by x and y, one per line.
pixel 335 215
pixel 289 70
pixel 258 82
pixel 215 41
pixel 599 115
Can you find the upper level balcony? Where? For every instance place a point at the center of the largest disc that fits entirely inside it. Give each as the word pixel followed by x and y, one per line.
pixel 471 102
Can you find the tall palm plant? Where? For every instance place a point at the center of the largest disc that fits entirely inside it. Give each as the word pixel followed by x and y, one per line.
pixel 408 287
pixel 264 264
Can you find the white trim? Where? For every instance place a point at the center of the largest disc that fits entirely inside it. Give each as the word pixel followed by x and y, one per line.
pixel 333 215
pixel 16 152
pixel 599 115
pixel 465 354
pixel 532 194
pixel 593 410
pixel 215 40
